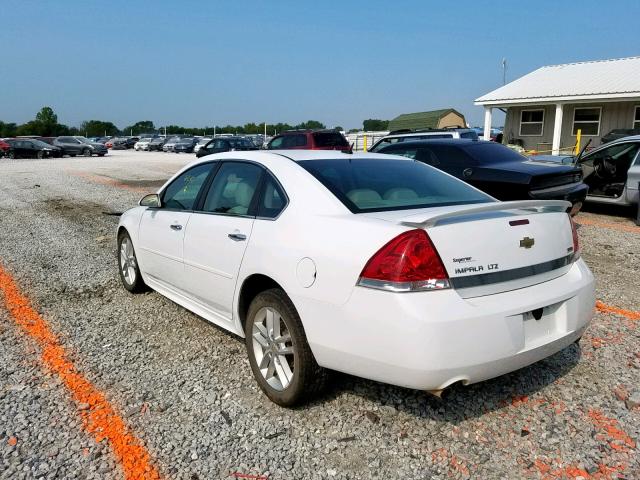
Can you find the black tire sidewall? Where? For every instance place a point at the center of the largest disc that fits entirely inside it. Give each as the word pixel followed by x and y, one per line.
pixel 86 152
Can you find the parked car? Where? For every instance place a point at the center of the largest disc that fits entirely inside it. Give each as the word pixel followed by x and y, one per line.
pixel 142 144
pixel 226 144
pixel 399 136
pixel 498 170
pixel 156 144
pixel 4 148
pixel 31 148
pixel 309 140
pixel 78 145
pixel 612 172
pixel 201 143
pixel 169 144
pixel 124 143
pixel 185 145
pixel 376 266
pixel 618 133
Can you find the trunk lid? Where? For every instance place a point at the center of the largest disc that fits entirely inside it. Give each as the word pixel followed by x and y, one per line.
pixel 499 246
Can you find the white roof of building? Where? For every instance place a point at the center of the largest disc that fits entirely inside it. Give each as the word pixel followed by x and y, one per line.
pixel 583 81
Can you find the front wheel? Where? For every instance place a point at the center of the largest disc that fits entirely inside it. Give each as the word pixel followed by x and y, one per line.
pixel 280 357
pixel 128 265
pixel 86 152
pixel 11 155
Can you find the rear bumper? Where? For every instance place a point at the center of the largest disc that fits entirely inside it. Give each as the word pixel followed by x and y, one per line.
pixel 576 193
pixel 430 340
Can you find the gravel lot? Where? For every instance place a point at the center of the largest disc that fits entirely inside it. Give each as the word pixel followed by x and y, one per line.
pixel 185 389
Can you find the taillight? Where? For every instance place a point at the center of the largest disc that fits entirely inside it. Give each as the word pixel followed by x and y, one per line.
pixel 576 242
pixel 408 263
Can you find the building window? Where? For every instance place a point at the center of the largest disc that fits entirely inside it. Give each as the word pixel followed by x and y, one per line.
pixel 587 120
pixel 531 123
pixel 636 117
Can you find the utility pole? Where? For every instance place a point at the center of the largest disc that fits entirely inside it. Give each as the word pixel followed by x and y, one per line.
pixel 504 71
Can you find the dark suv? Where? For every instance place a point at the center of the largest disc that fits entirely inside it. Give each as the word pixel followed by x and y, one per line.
pixel 309 140
pixel 73 146
pixel 226 144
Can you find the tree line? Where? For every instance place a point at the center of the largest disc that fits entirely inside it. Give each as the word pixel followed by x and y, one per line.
pixel 46 124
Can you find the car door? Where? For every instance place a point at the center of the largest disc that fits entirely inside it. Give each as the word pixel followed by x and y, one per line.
pixel 633 181
pixel 161 230
pixel 217 236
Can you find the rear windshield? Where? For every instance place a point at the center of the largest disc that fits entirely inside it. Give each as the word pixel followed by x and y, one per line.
pixel 391 140
pixel 330 139
pixel 377 185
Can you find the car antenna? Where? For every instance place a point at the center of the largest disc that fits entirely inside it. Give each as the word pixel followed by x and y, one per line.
pixel 577 159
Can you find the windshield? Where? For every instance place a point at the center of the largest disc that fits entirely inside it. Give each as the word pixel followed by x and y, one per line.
pixel 204 141
pixel 376 185
pixel 185 140
pixel 41 144
pixel 84 140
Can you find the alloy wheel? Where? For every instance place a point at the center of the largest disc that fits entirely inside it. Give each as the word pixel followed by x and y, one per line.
pixel 127 261
pixel 273 348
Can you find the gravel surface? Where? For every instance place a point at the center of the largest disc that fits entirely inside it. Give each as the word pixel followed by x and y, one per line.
pixel 185 387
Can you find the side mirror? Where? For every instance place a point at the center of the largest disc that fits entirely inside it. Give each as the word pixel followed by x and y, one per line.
pixel 152 200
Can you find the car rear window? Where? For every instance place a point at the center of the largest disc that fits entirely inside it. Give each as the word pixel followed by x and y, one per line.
pixel 392 140
pixel 377 185
pixel 330 139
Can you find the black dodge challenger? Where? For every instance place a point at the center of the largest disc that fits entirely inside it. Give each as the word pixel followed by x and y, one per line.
pixel 498 170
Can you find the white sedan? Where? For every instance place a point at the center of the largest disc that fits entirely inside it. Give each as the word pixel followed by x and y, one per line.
pixel 373 265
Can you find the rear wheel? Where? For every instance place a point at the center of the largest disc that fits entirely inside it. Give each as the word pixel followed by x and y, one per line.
pixel 279 354
pixel 128 265
pixel 86 152
pixel 11 154
pixel 40 154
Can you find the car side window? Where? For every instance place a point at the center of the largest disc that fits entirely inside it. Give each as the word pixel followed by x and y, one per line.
pixel 181 194
pixel 233 189
pixel 276 143
pixel 273 199
pixel 291 141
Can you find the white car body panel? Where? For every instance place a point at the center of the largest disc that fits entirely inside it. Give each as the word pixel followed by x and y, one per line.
pixel 424 340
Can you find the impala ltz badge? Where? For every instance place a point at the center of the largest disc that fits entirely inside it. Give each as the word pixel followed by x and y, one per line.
pixel 527 242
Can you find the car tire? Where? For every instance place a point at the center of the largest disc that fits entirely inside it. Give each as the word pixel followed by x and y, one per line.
pixel 101 154
pixel 86 152
pixel 128 265
pixel 289 378
pixel 40 154
pixel 72 154
pixel 11 155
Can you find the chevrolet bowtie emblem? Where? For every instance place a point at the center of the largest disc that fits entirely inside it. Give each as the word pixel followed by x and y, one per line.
pixel 527 242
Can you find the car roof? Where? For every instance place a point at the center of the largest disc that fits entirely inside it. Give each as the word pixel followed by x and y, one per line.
pixel 263 156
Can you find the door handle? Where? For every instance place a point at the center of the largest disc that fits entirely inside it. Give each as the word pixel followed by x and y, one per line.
pixel 175 227
pixel 238 237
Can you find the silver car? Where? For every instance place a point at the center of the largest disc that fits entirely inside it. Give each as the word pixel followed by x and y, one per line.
pixel 612 171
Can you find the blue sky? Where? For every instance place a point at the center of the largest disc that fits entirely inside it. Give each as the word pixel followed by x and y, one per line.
pixel 197 63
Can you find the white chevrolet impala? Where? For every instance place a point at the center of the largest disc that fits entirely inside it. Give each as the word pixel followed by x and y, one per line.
pixel 373 265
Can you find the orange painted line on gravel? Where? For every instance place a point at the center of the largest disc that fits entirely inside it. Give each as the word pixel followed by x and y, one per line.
pixel 630 314
pixel 615 226
pixel 98 416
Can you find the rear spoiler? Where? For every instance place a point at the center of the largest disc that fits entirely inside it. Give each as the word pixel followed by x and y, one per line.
pixel 532 206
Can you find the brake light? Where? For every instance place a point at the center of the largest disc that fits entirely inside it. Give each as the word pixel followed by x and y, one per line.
pixel 408 263
pixel 576 242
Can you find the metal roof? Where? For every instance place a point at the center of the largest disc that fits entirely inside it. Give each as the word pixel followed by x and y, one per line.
pixel 421 119
pixel 583 81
